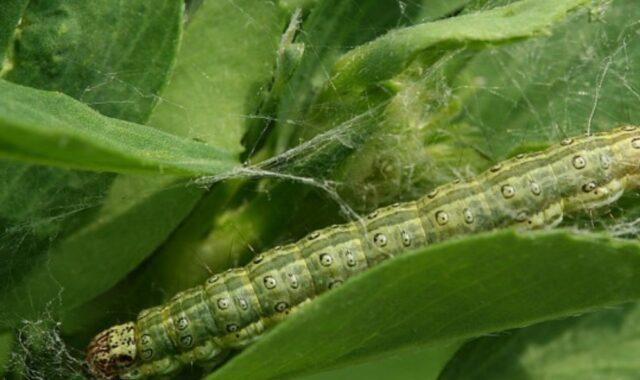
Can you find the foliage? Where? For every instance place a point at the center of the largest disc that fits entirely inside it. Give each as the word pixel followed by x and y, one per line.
pixel 146 144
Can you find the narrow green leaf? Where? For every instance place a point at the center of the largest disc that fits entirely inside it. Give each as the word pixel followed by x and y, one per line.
pixel 602 345
pixel 445 293
pixel 49 128
pixel 390 54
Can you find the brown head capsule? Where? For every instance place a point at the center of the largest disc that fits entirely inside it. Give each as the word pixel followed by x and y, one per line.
pixel 112 352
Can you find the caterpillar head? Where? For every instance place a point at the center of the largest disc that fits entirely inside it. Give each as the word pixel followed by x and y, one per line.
pixel 112 352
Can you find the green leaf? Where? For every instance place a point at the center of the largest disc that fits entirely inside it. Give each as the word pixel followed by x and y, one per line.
pixel 546 89
pixel 445 293
pixel 112 56
pixel 433 10
pixel 225 64
pixel 602 345
pixel 96 256
pixel 54 129
pixel 42 206
pixel 388 55
pixel 425 362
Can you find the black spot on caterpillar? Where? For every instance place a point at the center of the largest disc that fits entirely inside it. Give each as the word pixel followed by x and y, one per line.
pixel 231 309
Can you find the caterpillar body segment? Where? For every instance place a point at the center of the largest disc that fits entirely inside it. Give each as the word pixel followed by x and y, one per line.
pixel 230 310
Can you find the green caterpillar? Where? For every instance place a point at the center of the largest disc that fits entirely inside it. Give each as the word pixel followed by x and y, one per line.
pixel 234 308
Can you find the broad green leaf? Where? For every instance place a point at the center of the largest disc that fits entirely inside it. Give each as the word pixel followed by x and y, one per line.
pixel 113 56
pixel 42 206
pixel 224 67
pixel 602 345
pixel 388 55
pixel 52 128
pixel 445 293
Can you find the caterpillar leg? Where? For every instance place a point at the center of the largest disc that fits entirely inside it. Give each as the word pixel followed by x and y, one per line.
pixel 214 362
pixel 547 218
pixel 632 182
pixel 595 196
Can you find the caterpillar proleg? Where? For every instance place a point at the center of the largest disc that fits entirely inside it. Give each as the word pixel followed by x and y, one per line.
pixel 233 308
